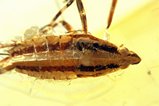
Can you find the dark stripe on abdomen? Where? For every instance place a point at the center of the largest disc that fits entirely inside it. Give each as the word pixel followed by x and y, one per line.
pixel 70 68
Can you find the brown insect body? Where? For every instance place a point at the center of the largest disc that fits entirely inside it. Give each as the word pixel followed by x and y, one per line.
pixel 74 54
pixel 67 56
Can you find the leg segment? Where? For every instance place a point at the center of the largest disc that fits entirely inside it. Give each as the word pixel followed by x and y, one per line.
pixel 64 23
pixel 62 10
pixel 4 53
pixel 52 23
pixel 111 13
pixel 82 15
pixel 8 45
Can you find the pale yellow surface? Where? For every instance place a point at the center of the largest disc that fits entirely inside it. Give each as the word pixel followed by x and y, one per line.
pixel 135 86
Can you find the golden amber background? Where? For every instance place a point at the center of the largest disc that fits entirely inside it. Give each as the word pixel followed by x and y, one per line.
pixel 135 25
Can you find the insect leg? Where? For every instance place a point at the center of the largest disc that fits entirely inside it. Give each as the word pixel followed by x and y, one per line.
pixel 62 10
pixel 82 15
pixel 47 49
pixel 35 51
pixel 64 23
pixel 7 45
pixel 111 13
pixel 4 53
pixel 57 15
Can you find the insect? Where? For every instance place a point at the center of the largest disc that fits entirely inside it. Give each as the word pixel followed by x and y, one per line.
pixel 75 54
